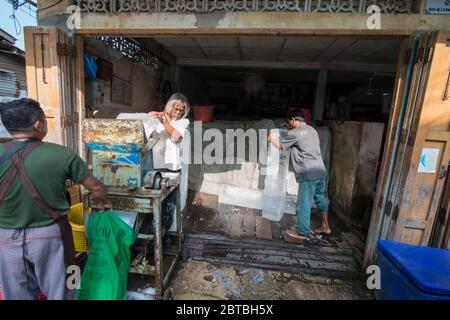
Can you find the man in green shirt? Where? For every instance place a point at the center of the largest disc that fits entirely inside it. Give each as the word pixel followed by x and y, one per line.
pixel 31 246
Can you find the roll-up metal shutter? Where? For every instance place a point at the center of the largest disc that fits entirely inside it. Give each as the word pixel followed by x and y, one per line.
pixel 8 84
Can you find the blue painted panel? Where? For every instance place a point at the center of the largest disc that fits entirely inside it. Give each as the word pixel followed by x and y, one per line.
pixel 114 147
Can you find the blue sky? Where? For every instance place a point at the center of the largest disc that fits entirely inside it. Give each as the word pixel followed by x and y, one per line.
pixel 24 16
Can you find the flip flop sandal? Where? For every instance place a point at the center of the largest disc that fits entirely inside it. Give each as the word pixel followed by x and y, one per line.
pixel 288 235
pixel 312 236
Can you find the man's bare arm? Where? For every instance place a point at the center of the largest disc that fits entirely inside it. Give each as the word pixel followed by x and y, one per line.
pixel 98 191
pixel 274 141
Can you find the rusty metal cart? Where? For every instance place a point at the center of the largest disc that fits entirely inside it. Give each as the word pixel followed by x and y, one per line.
pixel 121 157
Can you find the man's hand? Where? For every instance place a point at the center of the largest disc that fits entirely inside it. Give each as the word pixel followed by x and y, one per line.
pixel 166 118
pixel 103 205
pixel 163 117
pixel 98 191
pixel 274 141
pixel 156 114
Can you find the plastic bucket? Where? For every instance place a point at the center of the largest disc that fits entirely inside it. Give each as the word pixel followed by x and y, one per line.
pixel 203 113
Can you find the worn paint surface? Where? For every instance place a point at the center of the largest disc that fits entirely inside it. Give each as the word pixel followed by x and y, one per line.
pixel 143 205
pixel 117 169
pixel 114 132
pixel 116 147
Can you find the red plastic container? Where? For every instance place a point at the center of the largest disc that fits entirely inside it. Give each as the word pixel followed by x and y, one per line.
pixel 203 113
pixel 307 113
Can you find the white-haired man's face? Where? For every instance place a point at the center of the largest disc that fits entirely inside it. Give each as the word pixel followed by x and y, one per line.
pixel 177 110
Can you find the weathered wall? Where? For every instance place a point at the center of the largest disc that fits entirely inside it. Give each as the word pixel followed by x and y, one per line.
pixel 193 87
pixel 144 81
pixel 354 161
pixel 368 161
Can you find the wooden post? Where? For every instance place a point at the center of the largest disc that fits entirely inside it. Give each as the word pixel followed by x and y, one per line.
pixel 319 97
pixel 43 76
pixel 177 78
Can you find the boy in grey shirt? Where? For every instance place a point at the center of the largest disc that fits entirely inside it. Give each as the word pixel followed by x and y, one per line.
pixel 309 171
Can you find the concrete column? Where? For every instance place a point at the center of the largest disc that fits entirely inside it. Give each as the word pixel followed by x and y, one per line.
pixel 319 97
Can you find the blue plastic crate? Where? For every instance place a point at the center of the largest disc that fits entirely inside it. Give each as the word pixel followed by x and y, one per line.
pixel 411 272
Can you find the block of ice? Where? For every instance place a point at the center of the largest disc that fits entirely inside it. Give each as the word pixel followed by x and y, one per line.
pixel 275 183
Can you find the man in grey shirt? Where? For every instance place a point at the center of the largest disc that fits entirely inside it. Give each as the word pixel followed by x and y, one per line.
pixel 309 171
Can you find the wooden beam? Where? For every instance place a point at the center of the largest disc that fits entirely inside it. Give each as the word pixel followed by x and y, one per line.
pixel 194 62
pixel 335 49
pixel 357 67
pixel 200 47
pixel 238 43
pixel 255 23
pixel 281 49
pixel 177 77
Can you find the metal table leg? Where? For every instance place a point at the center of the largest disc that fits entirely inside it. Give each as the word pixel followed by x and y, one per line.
pixel 157 230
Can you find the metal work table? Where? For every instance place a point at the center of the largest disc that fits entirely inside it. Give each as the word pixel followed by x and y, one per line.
pixel 124 164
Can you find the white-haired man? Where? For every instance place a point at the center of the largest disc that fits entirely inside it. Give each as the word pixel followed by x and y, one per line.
pixel 170 132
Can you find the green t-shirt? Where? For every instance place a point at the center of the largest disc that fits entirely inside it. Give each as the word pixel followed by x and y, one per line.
pixel 48 166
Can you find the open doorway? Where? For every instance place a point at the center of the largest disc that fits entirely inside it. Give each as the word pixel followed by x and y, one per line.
pixel 252 81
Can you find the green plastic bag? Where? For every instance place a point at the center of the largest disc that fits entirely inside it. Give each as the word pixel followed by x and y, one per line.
pixel 105 275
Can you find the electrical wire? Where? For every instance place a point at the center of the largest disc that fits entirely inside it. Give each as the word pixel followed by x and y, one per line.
pixel 27 13
pixel 14 3
pixel 17 25
pixel 16 6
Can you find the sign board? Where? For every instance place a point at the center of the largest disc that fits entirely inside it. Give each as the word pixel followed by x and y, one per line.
pixel 428 160
pixel 437 7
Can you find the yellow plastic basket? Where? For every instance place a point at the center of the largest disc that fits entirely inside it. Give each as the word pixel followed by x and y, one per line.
pixel 76 220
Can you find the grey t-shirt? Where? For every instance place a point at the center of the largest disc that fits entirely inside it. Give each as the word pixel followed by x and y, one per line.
pixel 305 153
